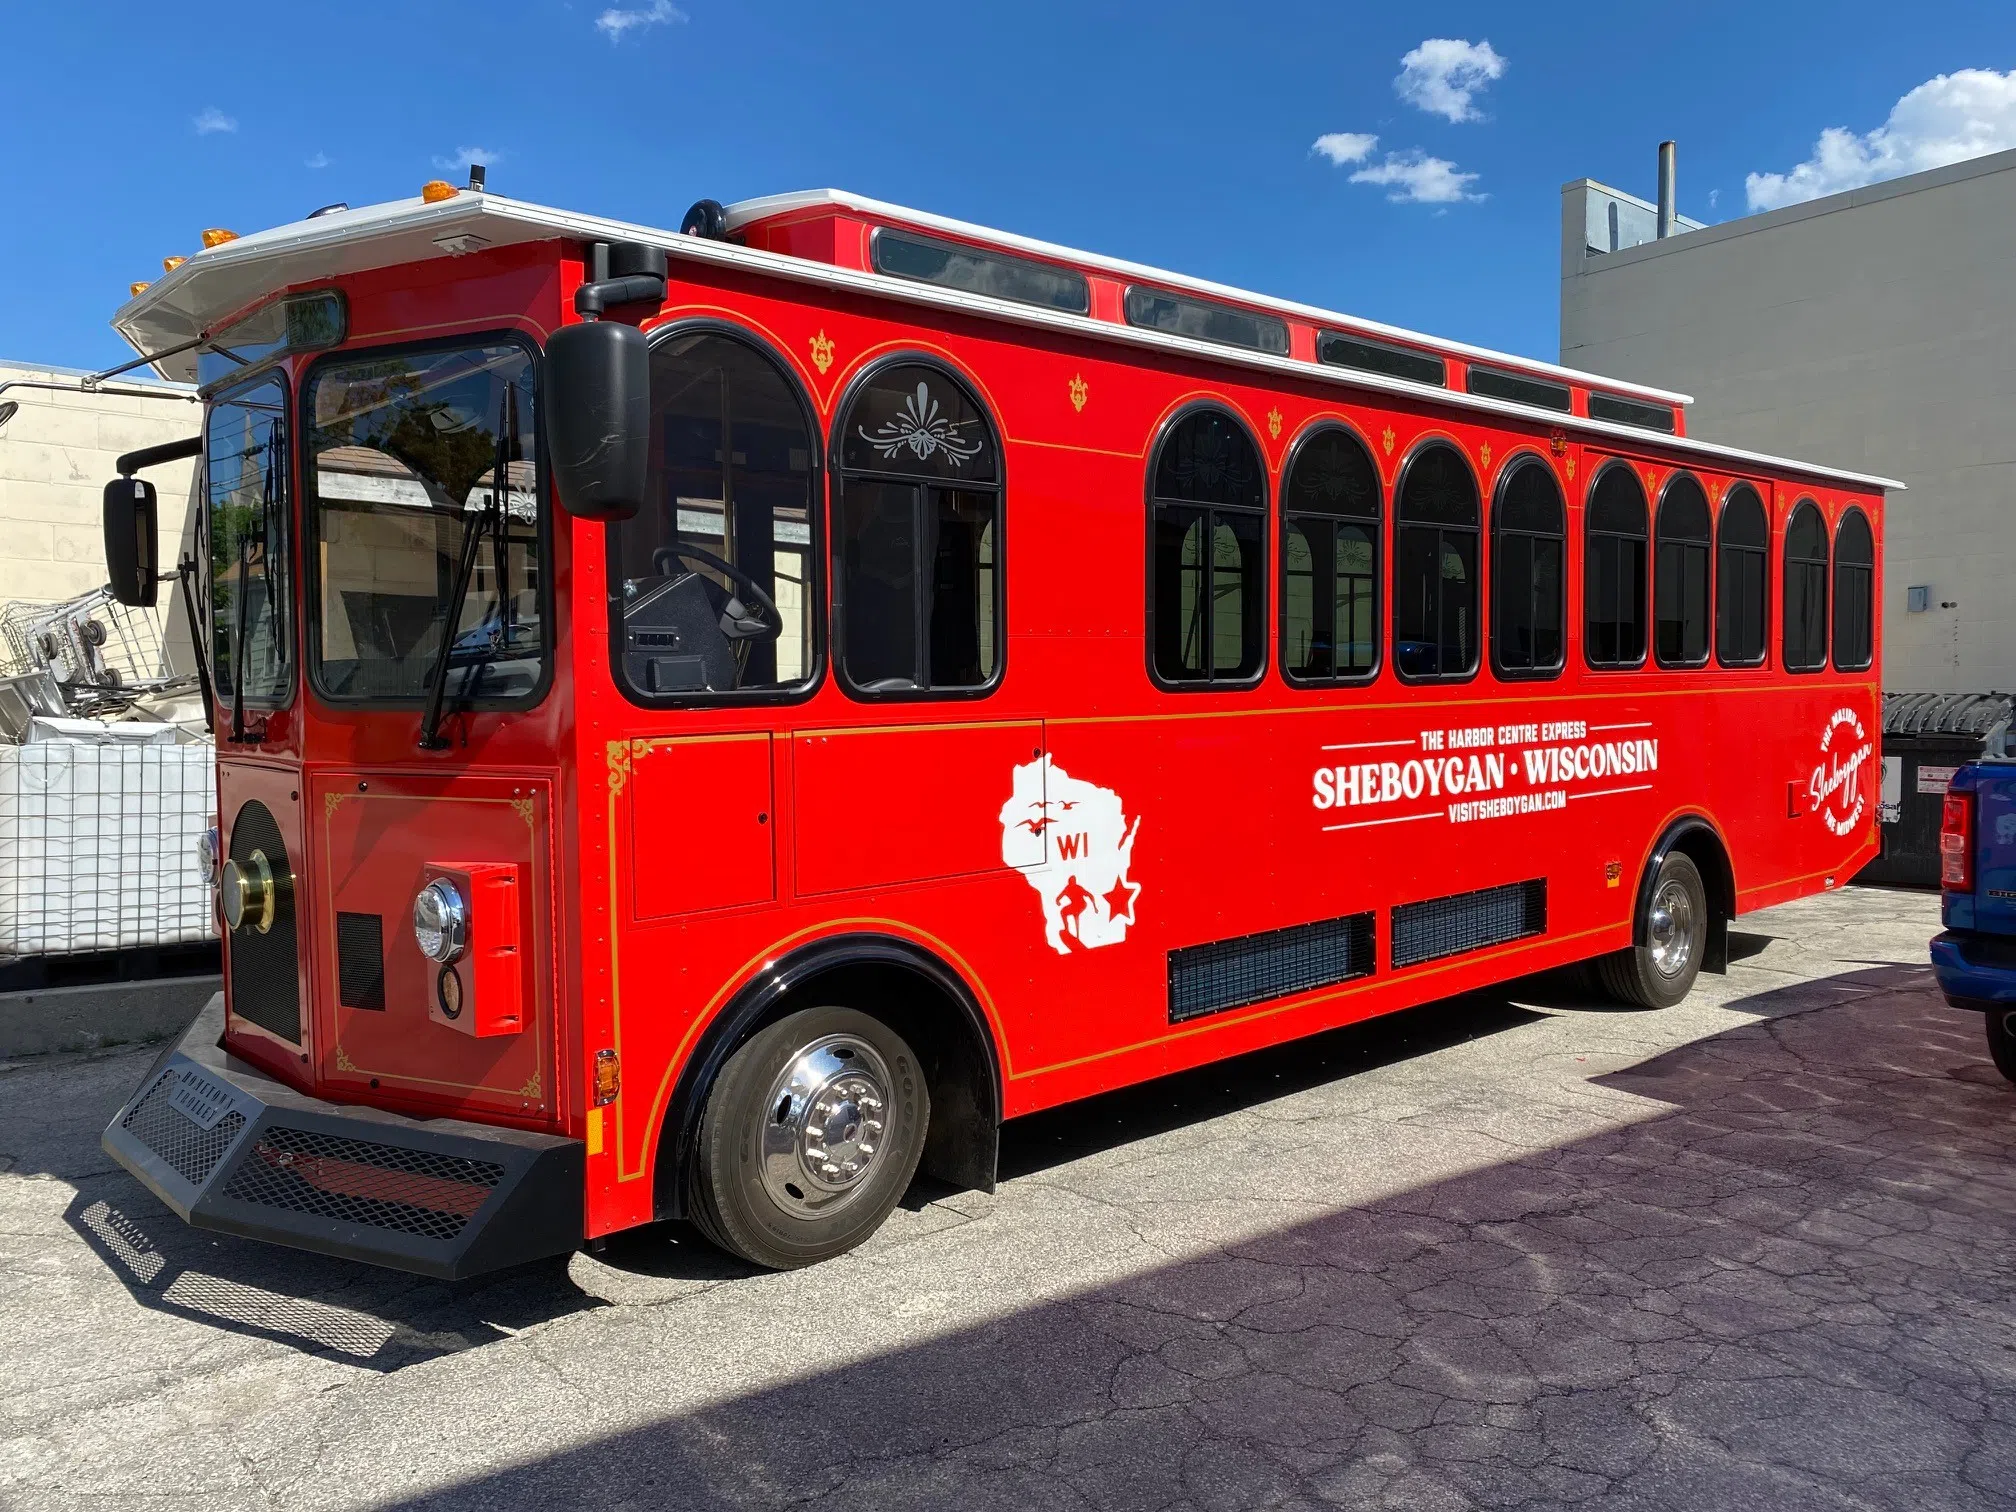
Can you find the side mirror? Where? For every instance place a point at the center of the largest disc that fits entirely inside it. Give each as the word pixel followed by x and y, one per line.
pixel 130 515
pixel 598 418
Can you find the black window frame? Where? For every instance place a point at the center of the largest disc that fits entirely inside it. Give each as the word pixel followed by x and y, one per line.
pixel 1705 544
pixel 1824 574
pixel 1868 592
pixel 818 559
pixel 309 512
pixel 1725 581
pixel 1618 410
pixel 1211 306
pixel 1283 512
pixel 1480 596
pixel 892 234
pixel 839 474
pixel 1590 536
pixel 1208 683
pixel 1517 463
pixel 1403 356
pixel 292 515
pixel 1519 388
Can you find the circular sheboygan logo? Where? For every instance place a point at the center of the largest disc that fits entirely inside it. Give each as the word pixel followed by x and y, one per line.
pixel 1836 786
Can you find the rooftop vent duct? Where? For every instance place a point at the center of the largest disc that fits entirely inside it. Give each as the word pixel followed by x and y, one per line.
pixel 1665 190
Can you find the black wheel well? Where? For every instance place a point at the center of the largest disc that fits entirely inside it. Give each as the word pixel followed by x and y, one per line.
pixel 900 983
pixel 1697 840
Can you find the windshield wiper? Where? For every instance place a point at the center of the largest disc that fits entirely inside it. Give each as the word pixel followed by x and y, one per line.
pixel 492 519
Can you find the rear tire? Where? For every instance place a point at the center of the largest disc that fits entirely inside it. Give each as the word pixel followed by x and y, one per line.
pixel 2002 1040
pixel 810 1136
pixel 1674 926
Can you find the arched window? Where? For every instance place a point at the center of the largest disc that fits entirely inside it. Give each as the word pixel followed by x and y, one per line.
pixel 1206 585
pixel 1805 589
pixel 1854 602
pixel 1742 558
pixel 1613 577
pixel 714 583
pixel 1330 560
pixel 1680 576
pixel 1529 542
pixel 917 525
pixel 1435 567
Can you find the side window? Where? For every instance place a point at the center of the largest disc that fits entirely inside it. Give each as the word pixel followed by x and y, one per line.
pixel 1206 579
pixel 918 561
pixel 1330 560
pixel 1854 603
pixel 1613 574
pixel 1680 576
pixel 713 584
pixel 1435 529
pixel 1742 557
pixel 245 523
pixel 1805 589
pixel 1529 541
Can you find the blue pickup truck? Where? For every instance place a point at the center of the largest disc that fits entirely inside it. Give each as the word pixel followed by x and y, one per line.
pixel 1974 956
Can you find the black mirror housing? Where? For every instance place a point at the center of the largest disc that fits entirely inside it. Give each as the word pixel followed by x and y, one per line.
pixel 131 518
pixel 597 399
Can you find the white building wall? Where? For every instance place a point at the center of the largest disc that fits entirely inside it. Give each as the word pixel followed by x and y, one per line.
pixel 1874 330
pixel 56 456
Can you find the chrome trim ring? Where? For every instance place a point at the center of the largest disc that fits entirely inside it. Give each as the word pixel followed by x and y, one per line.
pixel 1669 931
pixel 441 921
pixel 824 1124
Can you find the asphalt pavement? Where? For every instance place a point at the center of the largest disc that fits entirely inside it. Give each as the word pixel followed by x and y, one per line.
pixel 1520 1249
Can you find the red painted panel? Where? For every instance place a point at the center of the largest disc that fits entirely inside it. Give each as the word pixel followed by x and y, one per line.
pixel 701 824
pixel 904 804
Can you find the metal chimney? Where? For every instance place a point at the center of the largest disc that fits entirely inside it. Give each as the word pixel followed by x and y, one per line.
pixel 1665 190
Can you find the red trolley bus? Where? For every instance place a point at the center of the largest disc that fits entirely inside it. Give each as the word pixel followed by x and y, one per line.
pixel 712 723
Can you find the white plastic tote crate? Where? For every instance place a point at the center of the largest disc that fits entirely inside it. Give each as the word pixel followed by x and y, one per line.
pixel 98 846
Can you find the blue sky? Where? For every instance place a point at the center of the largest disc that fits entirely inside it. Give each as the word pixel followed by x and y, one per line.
pixel 1181 134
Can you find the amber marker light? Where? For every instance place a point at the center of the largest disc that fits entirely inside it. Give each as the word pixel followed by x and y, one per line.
pixel 436 190
pixel 608 1078
pixel 170 264
pixel 137 289
pixel 216 236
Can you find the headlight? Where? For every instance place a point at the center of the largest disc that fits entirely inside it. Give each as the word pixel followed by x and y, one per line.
pixel 441 921
pixel 208 851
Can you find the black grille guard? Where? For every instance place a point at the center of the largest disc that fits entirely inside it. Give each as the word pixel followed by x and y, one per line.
pixel 231 1149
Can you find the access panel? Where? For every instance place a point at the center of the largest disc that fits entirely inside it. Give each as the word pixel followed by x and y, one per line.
pixel 701 824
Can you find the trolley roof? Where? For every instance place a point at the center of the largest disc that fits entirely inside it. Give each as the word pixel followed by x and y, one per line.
pixel 221 282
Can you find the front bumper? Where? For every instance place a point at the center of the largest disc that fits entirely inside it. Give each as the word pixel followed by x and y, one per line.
pixel 231 1149
pixel 1976 971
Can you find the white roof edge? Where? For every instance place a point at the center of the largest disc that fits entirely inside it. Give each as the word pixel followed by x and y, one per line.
pixel 742 212
pixel 316 245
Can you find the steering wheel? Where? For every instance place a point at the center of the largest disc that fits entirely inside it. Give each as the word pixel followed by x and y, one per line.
pixel 737 623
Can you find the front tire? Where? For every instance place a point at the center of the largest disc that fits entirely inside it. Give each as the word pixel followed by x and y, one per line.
pixel 2002 1040
pixel 1661 972
pixel 810 1135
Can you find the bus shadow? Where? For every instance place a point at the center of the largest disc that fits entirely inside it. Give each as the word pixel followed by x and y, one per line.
pixel 1780 1281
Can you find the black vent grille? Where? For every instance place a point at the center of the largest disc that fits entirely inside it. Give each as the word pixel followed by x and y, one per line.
pixel 360 961
pixel 1450 926
pixel 265 968
pixel 190 1150
pixel 416 1192
pixel 1226 974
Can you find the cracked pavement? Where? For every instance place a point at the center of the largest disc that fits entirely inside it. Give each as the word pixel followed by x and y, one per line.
pixel 1518 1249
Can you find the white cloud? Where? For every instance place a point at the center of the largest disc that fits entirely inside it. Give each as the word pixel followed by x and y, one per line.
pixel 319 160
pixel 1947 119
pixel 1414 178
pixel 1714 198
pixel 614 23
pixel 1343 147
pixel 1445 74
pixel 212 119
pixel 466 157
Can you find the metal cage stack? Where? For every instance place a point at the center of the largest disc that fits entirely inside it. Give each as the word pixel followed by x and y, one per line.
pixel 102 654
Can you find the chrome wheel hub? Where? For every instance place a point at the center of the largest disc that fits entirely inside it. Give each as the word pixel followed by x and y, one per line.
pixel 1669 932
pixel 823 1125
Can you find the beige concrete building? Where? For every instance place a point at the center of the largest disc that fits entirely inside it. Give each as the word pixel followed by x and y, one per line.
pixel 1873 330
pixel 57 451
